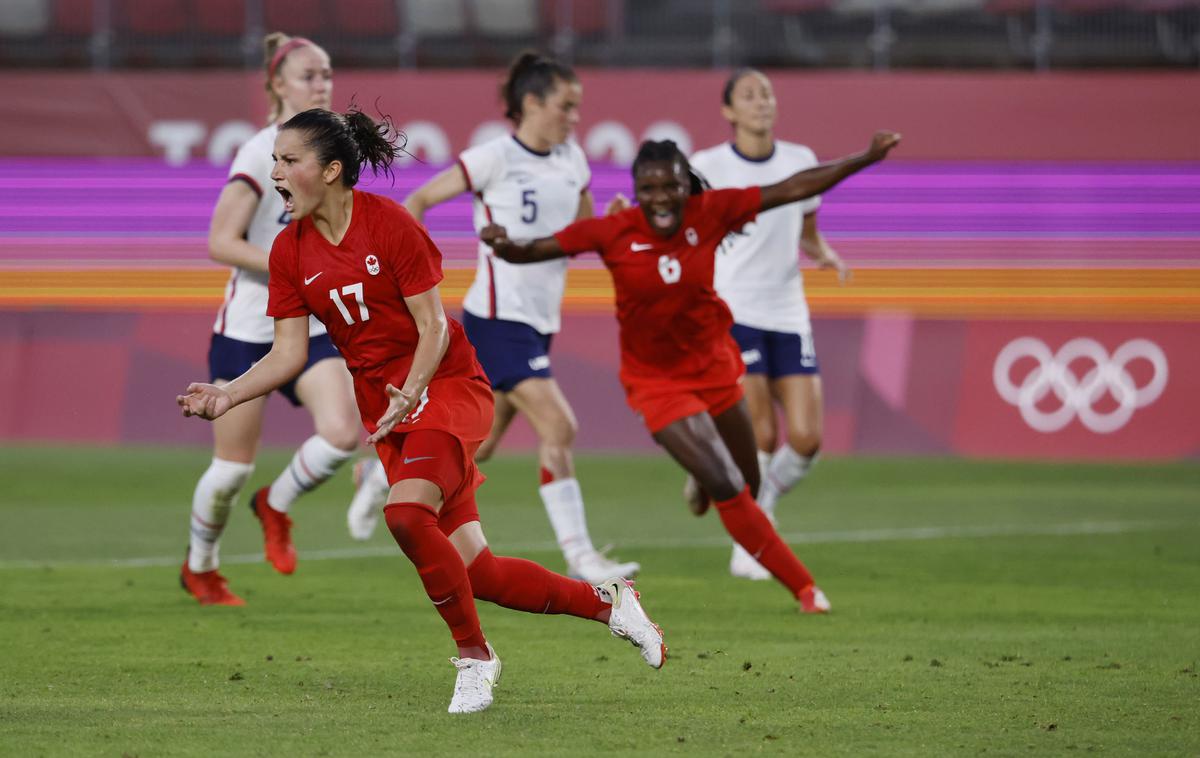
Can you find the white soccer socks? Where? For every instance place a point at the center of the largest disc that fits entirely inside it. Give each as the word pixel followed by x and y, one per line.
pixel 215 493
pixel 785 470
pixel 564 505
pixel 314 462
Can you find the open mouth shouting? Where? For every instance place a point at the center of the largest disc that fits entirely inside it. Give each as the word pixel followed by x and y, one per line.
pixel 288 202
pixel 663 219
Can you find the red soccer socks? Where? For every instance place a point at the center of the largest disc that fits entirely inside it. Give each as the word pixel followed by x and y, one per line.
pixel 415 528
pixel 525 586
pixel 751 528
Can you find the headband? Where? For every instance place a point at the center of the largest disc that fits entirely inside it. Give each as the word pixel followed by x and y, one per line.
pixel 282 52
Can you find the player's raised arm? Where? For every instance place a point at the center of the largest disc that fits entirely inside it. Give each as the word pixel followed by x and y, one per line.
pixel 816 180
pixel 544 249
pixel 450 182
pixel 286 360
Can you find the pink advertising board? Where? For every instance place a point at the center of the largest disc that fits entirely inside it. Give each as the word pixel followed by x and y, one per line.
pixel 893 384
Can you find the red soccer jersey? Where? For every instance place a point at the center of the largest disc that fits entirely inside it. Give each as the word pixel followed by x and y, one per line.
pixel 673 325
pixel 357 288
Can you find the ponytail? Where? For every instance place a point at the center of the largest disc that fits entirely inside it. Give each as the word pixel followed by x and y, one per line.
pixel 271 44
pixel 353 138
pixel 531 73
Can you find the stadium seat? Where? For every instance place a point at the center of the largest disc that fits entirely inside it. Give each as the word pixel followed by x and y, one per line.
pixel 367 18
pixel 435 17
pixel 151 18
pixel 221 18
pixel 73 17
pixel 505 18
pixel 795 6
pixel 1011 6
pixel 296 17
pixel 24 18
pixel 587 18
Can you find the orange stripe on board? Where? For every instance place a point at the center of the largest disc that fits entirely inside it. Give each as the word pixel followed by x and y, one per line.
pixel 941 293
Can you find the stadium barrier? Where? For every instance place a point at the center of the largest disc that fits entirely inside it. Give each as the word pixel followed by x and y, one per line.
pixel 894 384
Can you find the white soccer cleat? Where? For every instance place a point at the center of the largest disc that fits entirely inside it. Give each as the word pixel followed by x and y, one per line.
pixel 743 565
pixel 629 622
pixel 370 495
pixel 473 687
pixel 595 567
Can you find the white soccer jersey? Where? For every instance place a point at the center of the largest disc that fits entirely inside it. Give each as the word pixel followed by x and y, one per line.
pixel 243 316
pixel 758 271
pixel 531 195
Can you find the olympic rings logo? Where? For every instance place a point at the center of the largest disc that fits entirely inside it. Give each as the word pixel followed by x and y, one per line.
pixel 1076 395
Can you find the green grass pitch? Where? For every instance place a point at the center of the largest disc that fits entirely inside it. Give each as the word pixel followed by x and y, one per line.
pixel 998 608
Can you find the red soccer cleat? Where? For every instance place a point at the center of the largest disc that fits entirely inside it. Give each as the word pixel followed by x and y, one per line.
pixel 277 533
pixel 812 600
pixel 208 587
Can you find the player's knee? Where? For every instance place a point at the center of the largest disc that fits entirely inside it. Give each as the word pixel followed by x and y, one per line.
pixel 806 440
pixel 723 484
pixel 227 478
pixel 407 522
pixel 344 434
pixel 765 433
pixel 560 433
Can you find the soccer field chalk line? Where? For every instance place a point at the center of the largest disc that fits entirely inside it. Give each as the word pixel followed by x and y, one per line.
pixel 909 534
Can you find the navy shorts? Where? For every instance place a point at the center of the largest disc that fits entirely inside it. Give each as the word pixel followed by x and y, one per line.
pixel 229 358
pixel 509 351
pixel 776 354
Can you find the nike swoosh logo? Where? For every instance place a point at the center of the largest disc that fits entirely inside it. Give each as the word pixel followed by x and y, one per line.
pixel 419 458
pixel 310 279
pixel 639 247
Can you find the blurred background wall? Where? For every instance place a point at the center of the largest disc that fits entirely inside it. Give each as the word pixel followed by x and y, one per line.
pixel 1027 268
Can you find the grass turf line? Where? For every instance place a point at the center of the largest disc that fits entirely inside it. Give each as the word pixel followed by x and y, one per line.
pixel 1009 644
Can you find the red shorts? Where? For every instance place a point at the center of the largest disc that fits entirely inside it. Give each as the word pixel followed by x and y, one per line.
pixel 661 405
pixel 462 406
pixel 441 458
pixel 438 438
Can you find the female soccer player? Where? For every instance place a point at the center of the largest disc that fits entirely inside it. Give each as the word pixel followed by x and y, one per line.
pixel 363 266
pixel 244 224
pixel 680 367
pixel 533 182
pixel 758 276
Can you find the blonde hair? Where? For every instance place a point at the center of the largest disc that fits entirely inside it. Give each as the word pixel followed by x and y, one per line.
pixel 276 47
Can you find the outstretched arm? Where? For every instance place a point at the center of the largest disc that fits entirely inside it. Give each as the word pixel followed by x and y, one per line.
pixel 816 180
pixel 544 249
pixel 447 184
pixel 286 360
